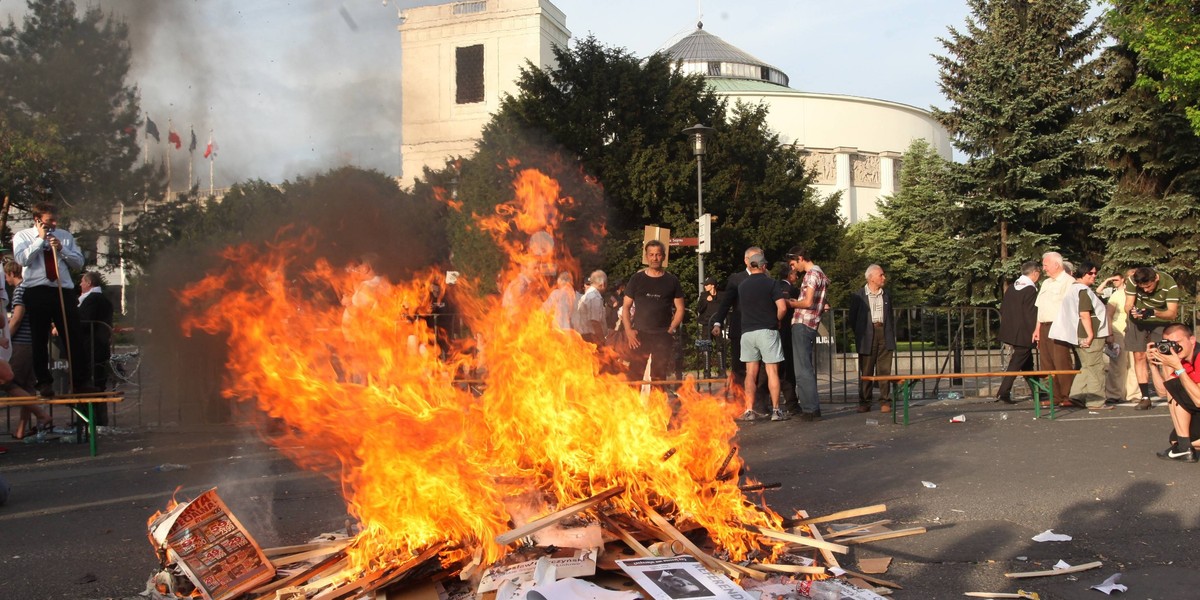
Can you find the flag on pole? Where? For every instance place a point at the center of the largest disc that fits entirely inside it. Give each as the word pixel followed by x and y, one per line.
pixel 211 149
pixel 173 138
pixel 192 147
pixel 152 129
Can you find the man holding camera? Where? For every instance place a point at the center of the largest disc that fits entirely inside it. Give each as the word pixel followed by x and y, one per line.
pixel 1152 301
pixel 1175 375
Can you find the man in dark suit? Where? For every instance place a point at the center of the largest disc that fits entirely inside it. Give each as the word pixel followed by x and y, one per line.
pixel 96 321
pixel 874 336
pixel 1018 321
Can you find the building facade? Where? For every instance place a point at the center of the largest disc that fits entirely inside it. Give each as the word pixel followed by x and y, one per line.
pixel 459 59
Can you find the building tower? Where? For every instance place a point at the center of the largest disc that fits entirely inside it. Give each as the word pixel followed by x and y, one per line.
pixel 458 60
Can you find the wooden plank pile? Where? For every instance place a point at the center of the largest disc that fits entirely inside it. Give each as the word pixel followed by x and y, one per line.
pixel 799 550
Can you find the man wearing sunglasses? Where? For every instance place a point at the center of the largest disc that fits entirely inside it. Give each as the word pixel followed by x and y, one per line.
pixel 1083 323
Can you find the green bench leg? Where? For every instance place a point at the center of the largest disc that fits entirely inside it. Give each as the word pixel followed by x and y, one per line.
pixel 1036 385
pixel 902 390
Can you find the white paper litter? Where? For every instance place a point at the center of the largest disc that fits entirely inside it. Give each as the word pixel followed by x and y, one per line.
pixel 577 589
pixel 929 484
pixel 1049 536
pixel 1061 564
pixel 1110 585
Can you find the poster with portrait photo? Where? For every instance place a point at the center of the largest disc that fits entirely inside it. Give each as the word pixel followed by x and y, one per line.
pixel 681 578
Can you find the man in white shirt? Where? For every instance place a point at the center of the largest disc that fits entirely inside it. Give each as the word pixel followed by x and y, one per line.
pixel 1055 355
pixel 46 255
pixel 589 315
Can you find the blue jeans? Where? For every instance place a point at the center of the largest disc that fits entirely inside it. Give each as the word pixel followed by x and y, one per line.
pixel 804 339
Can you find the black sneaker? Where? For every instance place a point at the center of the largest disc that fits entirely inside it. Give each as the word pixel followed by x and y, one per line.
pixel 810 417
pixel 1174 453
pixel 45 390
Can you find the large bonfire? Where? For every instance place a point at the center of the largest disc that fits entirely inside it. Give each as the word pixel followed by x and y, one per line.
pixel 425 460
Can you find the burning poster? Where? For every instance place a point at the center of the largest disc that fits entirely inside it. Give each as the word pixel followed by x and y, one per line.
pixel 211 547
pixel 567 562
pixel 681 578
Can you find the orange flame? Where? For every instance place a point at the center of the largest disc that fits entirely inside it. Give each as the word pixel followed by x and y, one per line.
pixel 423 460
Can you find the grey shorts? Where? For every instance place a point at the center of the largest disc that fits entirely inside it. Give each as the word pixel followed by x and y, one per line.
pixel 762 344
pixel 1137 335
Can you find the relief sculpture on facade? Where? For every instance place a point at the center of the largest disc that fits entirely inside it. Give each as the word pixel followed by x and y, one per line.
pixel 825 165
pixel 864 168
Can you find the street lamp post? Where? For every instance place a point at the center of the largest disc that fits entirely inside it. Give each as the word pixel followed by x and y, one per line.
pixel 699 134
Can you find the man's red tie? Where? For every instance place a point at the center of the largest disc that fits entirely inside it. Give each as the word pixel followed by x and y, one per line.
pixel 51 263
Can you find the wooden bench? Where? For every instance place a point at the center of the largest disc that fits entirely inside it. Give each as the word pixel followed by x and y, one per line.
pixel 902 386
pixel 89 399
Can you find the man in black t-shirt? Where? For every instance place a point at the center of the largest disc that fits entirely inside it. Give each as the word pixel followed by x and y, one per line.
pixel 651 313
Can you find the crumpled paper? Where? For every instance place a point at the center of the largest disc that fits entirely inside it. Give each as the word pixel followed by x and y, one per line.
pixel 1049 536
pixel 1110 585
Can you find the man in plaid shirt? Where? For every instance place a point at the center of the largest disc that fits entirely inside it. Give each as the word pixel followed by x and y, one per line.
pixel 806 317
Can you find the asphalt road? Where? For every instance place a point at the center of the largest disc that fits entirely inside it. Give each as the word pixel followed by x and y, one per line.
pixel 74 526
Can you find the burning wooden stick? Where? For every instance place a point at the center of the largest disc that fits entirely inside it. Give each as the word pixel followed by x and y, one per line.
pixel 380 578
pixel 887 535
pixel 512 535
pixel 857 529
pixel 797 539
pixel 845 514
pixel 830 559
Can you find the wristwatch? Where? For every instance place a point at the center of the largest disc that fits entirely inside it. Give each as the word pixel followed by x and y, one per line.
pixel 1180 372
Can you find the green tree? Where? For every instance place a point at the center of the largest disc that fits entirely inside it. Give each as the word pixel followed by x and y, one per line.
pixel 1154 157
pixel 30 169
pixel 1019 77
pixel 914 236
pixel 603 117
pixel 1165 34
pixel 63 86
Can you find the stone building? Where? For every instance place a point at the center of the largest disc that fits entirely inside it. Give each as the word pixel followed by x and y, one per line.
pixel 460 58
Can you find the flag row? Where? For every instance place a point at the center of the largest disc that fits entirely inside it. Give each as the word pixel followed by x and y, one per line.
pixel 210 150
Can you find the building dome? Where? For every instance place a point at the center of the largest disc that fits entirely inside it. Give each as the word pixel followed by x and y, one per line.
pixel 706 54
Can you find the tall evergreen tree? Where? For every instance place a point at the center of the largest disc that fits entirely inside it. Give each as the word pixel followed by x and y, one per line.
pixel 1154 157
pixel 63 85
pixel 1019 77
pixel 608 126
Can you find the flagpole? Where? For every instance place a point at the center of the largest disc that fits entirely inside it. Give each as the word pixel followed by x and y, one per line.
pixel 191 157
pixel 211 159
pixel 170 128
pixel 121 256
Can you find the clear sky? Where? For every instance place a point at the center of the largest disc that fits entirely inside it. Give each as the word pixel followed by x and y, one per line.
pixel 295 87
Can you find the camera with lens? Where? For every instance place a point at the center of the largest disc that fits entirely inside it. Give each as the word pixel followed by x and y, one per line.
pixel 1168 346
pixel 1142 313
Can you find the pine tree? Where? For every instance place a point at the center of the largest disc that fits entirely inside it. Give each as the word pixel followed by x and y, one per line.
pixel 1020 77
pixel 63 85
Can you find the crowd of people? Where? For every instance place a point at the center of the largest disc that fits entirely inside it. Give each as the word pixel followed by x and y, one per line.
pixel 45 303
pixel 1122 334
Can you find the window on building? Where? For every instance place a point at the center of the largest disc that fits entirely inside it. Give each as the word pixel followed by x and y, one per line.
pixel 714 69
pixel 468 74
pixel 765 74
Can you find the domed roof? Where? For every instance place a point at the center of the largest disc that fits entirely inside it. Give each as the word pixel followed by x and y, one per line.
pixel 704 53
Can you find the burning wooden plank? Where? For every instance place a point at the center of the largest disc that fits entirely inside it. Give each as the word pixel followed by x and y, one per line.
pixel 845 514
pixel 513 535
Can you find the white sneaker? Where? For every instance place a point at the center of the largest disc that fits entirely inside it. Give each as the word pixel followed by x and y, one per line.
pixel 749 415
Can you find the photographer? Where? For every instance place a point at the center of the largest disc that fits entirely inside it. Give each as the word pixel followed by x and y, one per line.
pixel 1152 301
pixel 1175 375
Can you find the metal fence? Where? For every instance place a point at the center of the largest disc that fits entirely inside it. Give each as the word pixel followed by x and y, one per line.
pixel 181 382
